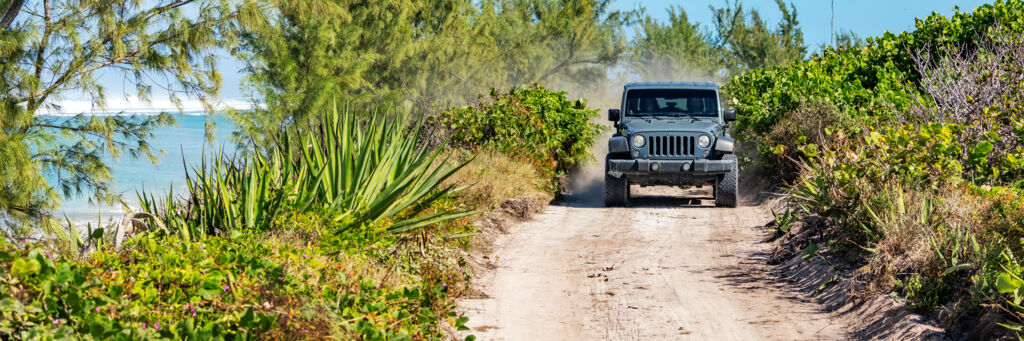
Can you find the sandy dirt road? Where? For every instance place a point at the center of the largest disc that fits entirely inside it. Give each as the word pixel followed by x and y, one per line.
pixel 664 269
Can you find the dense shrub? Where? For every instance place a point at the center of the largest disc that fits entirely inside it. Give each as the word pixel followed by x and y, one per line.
pixel 877 84
pixel 922 133
pixel 553 132
pixel 809 124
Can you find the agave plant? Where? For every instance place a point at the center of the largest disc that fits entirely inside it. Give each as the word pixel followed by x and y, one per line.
pixel 353 171
pixel 362 173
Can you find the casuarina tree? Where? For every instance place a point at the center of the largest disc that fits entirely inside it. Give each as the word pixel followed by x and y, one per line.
pixel 54 49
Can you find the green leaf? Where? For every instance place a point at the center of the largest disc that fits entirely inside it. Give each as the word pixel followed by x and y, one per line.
pixel 247 319
pixel 982 149
pixel 460 324
pixel 11 305
pixel 957 267
pixel 1005 283
pixel 22 267
pixel 97 234
pixel 810 252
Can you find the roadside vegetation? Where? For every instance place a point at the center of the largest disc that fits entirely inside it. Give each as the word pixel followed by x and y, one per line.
pixel 352 229
pixel 544 127
pixel 909 146
pixel 374 144
pixel 349 209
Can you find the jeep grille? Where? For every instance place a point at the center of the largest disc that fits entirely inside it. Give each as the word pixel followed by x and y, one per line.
pixel 670 146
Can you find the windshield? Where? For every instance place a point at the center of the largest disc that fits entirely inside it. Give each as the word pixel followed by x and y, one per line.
pixel 671 102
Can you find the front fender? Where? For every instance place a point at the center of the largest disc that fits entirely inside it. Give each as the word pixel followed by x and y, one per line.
pixel 725 145
pixel 618 144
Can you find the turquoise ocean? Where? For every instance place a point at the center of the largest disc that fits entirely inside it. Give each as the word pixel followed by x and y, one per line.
pixel 182 144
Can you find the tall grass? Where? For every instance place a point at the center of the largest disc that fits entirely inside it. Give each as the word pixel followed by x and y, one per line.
pixel 351 171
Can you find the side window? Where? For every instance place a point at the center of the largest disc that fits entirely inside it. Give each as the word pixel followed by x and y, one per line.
pixel 631 105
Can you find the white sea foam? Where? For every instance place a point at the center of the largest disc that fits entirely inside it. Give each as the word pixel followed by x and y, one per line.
pixel 135 106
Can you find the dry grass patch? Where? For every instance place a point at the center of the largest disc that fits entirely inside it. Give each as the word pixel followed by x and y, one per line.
pixel 494 177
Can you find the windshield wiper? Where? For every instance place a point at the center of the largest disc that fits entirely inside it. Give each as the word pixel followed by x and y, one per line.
pixel 649 115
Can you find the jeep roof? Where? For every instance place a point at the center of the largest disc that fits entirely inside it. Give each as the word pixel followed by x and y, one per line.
pixel 708 85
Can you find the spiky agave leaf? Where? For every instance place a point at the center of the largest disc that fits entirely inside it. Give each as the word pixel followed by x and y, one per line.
pixel 353 171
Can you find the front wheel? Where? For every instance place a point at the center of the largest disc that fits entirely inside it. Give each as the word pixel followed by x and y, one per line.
pixel 616 191
pixel 727 185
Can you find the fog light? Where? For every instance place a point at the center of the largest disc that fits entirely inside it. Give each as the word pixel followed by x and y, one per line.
pixel 686 166
pixel 655 166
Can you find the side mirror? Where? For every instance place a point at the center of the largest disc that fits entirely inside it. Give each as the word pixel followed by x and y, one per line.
pixel 729 115
pixel 613 114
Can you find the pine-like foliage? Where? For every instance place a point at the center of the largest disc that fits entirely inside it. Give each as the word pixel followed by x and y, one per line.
pixel 419 56
pixel 738 40
pixel 675 49
pixel 55 48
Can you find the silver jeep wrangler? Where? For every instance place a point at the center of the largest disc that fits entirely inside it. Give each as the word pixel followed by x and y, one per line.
pixel 671 134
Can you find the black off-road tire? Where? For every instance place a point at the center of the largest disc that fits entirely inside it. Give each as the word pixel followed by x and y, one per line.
pixel 727 186
pixel 616 191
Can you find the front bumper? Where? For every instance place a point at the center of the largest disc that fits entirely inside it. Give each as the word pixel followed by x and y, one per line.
pixel 680 167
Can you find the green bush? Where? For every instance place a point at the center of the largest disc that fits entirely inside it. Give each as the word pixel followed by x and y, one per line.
pixel 243 288
pixel 555 133
pixel 809 124
pixel 877 84
pixel 901 171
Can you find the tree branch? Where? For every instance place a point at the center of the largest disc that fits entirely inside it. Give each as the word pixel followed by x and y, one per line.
pixel 11 13
pixel 78 67
pixel 40 52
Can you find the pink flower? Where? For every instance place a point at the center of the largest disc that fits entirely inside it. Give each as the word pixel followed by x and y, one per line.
pixel 227 288
pixel 56 322
pixel 97 309
pixel 156 325
pixel 187 306
pixel 143 325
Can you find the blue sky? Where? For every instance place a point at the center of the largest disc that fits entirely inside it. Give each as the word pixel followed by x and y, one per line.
pixel 866 18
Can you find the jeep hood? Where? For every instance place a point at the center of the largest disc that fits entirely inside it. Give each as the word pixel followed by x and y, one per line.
pixel 681 124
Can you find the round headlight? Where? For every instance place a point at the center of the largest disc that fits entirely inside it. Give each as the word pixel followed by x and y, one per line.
pixel 638 141
pixel 703 141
